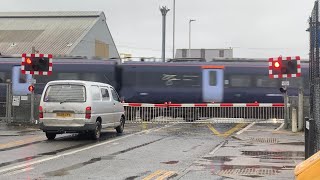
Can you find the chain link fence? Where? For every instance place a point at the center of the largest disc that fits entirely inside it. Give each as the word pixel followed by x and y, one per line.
pixel 314 76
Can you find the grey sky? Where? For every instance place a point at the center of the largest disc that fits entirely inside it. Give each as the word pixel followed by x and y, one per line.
pixel 254 28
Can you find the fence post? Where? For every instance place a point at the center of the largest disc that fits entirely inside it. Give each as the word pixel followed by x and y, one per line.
pixel 300 110
pixel 294 120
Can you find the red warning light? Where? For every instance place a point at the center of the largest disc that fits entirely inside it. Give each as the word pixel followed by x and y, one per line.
pixel 31 88
pixel 28 60
pixel 276 64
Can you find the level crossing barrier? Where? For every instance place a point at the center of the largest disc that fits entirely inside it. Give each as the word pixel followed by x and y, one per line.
pixel 204 112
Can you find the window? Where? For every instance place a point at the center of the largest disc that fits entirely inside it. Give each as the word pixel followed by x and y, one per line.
pixel 95 92
pixel 240 81
pixel 221 53
pixel 212 78
pixel 265 81
pixel 2 77
pixel 115 95
pixel 68 76
pixel 65 93
pixel 105 94
pixel 22 78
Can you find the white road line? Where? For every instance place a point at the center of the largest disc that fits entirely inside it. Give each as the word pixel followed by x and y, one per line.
pixel 19 171
pixel 246 128
pixel 28 164
pixel 282 124
pixel 218 147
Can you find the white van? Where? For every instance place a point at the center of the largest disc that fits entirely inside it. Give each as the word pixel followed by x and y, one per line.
pixel 70 106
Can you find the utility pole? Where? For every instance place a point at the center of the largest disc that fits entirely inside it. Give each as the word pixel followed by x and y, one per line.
pixel 164 11
pixel 190 20
pixel 174 24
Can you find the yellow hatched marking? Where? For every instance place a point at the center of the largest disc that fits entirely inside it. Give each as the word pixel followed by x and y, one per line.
pixel 215 132
pixel 234 129
pixel 155 174
pixel 166 175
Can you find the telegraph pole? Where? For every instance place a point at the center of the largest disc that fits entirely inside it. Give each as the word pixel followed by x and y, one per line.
pixel 164 10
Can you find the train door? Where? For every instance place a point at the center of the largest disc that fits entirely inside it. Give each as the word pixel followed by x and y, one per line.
pixel 212 83
pixel 20 82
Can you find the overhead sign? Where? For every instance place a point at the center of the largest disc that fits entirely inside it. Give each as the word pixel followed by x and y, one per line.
pixel 284 67
pixel 37 64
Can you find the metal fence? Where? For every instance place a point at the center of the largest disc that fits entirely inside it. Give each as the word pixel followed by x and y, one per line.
pixel 4 101
pixel 314 76
pixel 213 113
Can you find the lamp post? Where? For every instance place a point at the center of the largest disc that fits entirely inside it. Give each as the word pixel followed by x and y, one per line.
pixel 190 20
pixel 164 11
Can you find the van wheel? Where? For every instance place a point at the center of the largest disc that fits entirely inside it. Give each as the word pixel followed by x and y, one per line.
pixel 95 134
pixel 51 136
pixel 120 128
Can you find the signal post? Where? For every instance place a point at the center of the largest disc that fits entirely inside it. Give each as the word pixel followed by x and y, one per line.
pixel 289 67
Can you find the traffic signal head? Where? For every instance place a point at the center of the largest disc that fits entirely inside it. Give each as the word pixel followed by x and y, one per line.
pixel 31 88
pixel 37 64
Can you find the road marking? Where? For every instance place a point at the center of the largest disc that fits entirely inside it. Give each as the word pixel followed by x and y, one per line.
pixel 282 124
pixel 166 175
pixel 218 147
pixel 144 126
pixel 21 142
pixel 19 171
pixel 246 128
pixel 76 151
pixel 160 175
pixel 234 129
pixel 154 174
pixel 215 132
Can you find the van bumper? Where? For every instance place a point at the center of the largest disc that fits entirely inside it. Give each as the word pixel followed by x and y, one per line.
pixel 67 129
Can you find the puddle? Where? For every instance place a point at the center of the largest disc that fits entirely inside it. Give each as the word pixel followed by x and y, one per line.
pixel 132 177
pixel 170 162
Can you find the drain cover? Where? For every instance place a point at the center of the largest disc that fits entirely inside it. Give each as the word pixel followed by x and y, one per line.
pixel 248 172
pixel 265 140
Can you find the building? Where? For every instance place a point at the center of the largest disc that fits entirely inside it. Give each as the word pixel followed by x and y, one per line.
pixel 207 54
pixel 82 33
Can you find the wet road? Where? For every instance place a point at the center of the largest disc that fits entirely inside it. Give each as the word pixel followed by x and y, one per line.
pixel 143 151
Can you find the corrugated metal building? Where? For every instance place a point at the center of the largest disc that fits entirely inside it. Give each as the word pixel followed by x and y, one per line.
pixel 60 33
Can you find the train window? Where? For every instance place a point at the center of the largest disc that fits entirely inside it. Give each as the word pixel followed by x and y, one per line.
pixel 240 81
pixel 68 76
pixel 89 77
pixel 295 82
pixel 265 81
pixel 213 78
pixel 2 77
pixel 22 78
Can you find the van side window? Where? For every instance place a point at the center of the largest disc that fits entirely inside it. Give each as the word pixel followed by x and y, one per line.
pixel 105 94
pixel 95 92
pixel 115 95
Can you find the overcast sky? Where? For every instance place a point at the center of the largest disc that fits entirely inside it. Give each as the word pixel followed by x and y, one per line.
pixel 254 28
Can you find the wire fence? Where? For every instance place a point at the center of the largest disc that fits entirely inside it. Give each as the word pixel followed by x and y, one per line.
pixel 314 76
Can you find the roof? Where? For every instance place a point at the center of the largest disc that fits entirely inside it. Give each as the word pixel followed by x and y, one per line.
pixel 49 32
pixel 89 83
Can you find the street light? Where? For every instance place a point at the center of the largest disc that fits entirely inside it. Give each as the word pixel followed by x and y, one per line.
pixel 190 20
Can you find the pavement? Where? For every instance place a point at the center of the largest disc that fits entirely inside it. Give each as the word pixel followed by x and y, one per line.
pixel 16 129
pixel 259 151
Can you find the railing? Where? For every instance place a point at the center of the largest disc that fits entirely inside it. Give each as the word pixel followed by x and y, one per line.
pixel 216 112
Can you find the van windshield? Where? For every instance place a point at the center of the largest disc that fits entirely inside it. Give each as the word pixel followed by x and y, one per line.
pixel 65 93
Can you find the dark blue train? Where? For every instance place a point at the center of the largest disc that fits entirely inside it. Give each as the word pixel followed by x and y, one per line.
pixel 176 82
